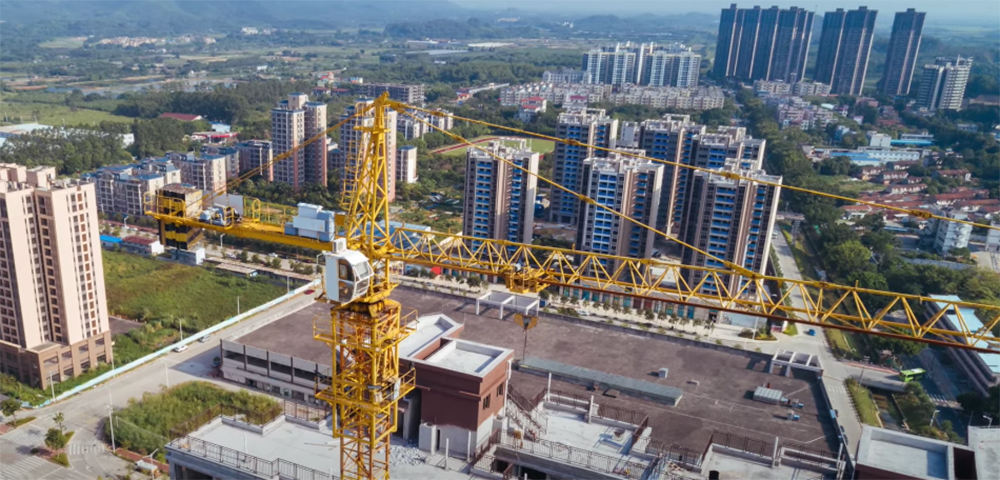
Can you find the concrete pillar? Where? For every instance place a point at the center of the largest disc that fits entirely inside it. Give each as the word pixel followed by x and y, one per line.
pixel 477 306
pixel 447 443
pixel 590 409
pixel 548 388
pixel 775 461
pixel 770 368
pixel 788 371
pixel 468 446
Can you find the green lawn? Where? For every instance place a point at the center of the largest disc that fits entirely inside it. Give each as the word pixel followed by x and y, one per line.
pixel 536 145
pixel 64 42
pixel 140 287
pixel 864 403
pixel 49 114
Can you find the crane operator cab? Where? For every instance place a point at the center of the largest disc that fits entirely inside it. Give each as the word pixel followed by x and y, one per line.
pixel 347 273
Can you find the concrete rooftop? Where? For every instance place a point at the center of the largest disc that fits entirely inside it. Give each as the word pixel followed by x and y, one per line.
pixel 916 457
pixel 721 401
pixel 289 441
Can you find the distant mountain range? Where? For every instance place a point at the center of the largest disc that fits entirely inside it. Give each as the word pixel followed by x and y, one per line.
pixel 173 16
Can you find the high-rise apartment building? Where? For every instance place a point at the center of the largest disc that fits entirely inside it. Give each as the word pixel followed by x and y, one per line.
pixel 669 138
pixel 625 184
pixel 411 94
pixel 942 85
pixel 759 44
pixel 207 173
pixel 592 127
pixel 293 122
pixel 672 65
pixel 230 153
pixel 665 69
pixel 499 198
pixel 844 47
pixel 406 165
pixel 353 142
pixel 901 57
pixel 731 219
pixel 123 189
pixel 256 154
pixel 53 310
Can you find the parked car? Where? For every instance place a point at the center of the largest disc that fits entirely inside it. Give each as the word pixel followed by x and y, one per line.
pixel 205 338
pixel 216 362
pixel 180 348
pixel 310 291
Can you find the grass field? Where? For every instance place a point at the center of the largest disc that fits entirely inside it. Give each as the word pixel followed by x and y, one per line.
pixel 64 42
pixel 863 403
pixel 49 114
pixel 138 286
pixel 536 145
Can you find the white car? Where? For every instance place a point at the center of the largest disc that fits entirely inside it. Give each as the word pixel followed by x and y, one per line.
pixel 180 348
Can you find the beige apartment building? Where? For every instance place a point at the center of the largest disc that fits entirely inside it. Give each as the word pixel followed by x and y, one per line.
pixel 353 141
pixel 53 311
pixel 207 174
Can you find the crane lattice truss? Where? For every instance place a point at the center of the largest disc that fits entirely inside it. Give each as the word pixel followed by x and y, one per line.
pixel 365 334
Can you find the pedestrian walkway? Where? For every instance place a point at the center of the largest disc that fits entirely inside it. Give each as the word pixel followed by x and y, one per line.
pixel 26 435
pixel 30 467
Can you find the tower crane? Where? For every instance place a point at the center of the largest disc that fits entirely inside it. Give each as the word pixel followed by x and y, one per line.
pixel 364 331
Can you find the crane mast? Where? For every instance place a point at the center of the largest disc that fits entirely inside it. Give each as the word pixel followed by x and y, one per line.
pixel 365 333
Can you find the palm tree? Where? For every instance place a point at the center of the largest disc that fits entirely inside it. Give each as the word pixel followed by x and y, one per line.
pixel 59 418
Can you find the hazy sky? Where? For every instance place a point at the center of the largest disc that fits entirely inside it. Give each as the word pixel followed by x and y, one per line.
pixel 978 11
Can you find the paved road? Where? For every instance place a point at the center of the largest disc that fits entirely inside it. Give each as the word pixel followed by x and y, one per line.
pixel 834 372
pixel 85 413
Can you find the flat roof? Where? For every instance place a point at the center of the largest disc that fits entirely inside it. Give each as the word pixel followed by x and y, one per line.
pixel 992 360
pixel 468 357
pixel 722 400
pixel 289 441
pixel 986 443
pixel 292 335
pixel 897 452
pixel 428 329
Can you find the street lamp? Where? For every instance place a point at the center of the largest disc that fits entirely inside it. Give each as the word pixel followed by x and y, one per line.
pixel 936 411
pixel 125 221
pixel 987 417
pixel 221 246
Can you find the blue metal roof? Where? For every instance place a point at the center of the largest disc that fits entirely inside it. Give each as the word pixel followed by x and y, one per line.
pixel 110 239
pixel 917 143
pixel 973 322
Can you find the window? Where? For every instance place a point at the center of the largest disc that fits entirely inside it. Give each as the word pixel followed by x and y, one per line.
pixel 500 390
pixel 486 402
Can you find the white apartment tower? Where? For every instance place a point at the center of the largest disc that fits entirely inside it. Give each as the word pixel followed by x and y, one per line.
pixel 592 127
pixel 942 85
pixel 624 184
pixel 53 311
pixel 406 165
pixel 732 220
pixel 499 197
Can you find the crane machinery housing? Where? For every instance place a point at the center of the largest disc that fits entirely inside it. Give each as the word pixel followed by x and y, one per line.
pixel 365 330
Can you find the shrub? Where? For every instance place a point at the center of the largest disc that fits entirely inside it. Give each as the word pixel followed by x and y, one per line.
pixel 718 342
pixel 61 459
pixel 147 424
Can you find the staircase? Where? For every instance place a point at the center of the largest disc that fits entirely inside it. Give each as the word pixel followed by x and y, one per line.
pixel 519 409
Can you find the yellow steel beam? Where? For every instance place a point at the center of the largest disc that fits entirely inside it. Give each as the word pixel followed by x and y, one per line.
pixel 665 282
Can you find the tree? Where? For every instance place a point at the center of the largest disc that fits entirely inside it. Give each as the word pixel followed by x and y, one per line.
pixel 59 418
pixel 55 439
pixel 848 258
pixel 242 256
pixel 835 166
pixel 9 407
